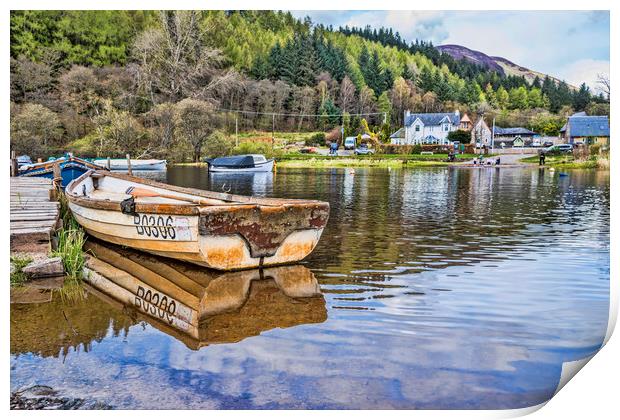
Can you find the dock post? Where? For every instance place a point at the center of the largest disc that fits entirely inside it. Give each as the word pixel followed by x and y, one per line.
pixel 13 163
pixel 57 175
pixel 129 172
pixel 109 164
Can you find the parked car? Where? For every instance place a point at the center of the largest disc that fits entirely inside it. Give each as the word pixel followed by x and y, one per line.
pixel 308 149
pixel 560 148
pixel 364 150
pixel 536 143
pixel 547 144
pixel 349 143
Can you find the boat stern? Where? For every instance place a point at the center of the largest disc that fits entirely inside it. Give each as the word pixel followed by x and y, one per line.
pixel 256 235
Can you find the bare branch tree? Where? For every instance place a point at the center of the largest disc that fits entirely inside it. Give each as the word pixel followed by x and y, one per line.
pixel 603 81
pixel 175 63
pixel 347 93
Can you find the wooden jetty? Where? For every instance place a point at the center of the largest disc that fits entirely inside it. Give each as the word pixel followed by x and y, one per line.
pixel 35 214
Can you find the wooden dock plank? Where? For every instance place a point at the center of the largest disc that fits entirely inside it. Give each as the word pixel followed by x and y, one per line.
pixel 34 214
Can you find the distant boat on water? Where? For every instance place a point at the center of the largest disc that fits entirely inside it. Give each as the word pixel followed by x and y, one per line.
pixel 23 160
pixel 240 163
pixel 71 167
pixel 136 164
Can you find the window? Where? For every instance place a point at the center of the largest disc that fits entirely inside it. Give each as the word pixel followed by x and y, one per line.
pixel 417 128
pixel 446 127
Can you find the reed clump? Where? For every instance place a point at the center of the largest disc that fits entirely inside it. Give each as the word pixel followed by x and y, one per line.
pixel 71 239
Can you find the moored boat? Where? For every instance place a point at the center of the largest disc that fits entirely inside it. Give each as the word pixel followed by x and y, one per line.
pixel 240 163
pixel 136 164
pixel 23 160
pixel 71 167
pixel 216 230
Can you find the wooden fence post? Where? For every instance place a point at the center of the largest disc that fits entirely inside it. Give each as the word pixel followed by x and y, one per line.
pixel 57 175
pixel 129 165
pixel 13 164
pixel 109 164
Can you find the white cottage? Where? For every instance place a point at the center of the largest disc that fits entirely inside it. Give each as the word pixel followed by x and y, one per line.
pixel 431 128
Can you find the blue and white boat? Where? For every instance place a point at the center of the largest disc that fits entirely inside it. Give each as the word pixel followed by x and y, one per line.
pixel 240 163
pixel 71 168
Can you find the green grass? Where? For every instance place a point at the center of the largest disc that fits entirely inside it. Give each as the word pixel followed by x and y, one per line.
pixel 436 157
pixel 18 278
pixel 567 161
pixel 357 162
pixel 71 239
pixel 300 160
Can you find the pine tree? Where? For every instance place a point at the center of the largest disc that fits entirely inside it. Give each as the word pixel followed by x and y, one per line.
pixel 407 74
pixel 581 98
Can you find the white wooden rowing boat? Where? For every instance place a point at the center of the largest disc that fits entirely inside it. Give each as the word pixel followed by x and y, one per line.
pixel 136 164
pixel 216 230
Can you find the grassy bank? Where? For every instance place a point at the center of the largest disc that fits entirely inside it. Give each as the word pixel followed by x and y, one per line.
pixel 569 162
pixel 71 239
pixel 303 160
pixel 356 162
pixel 299 160
pixel 18 262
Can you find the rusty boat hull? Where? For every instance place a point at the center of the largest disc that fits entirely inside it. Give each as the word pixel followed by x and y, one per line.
pixel 215 230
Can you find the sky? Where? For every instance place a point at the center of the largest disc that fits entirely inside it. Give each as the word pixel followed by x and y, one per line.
pixel 570 45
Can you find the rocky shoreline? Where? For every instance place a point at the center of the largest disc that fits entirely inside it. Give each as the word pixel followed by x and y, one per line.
pixel 40 397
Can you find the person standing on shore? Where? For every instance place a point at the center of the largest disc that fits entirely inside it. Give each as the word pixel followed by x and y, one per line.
pixel 541 158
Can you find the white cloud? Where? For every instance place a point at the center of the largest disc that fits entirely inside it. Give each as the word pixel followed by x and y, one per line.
pixel 573 45
pixel 424 25
pixel 586 71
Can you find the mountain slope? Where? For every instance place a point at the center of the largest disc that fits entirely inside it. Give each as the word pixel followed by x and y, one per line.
pixel 498 64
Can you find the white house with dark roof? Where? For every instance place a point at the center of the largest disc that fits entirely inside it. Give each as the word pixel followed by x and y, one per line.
pixel 427 128
pixel 481 134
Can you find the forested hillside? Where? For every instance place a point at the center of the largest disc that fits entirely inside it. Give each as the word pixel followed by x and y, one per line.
pixel 160 83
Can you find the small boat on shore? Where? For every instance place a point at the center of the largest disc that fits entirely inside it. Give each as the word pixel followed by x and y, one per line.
pixel 216 230
pixel 71 167
pixel 240 163
pixel 136 164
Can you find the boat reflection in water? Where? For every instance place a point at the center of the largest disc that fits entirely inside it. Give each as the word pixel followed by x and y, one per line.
pixel 258 184
pixel 199 306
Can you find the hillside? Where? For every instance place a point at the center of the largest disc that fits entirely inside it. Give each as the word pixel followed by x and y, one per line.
pixel 499 64
pixel 176 83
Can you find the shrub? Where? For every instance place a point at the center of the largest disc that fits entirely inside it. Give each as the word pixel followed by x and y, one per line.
pixel 595 149
pixel 460 136
pixel 333 134
pixel 435 148
pixel 218 144
pixel 252 148
pixel 417 149
pixel 317 139
pixel 395 149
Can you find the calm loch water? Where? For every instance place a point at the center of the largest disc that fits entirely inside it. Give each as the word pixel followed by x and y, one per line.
pixel 430 288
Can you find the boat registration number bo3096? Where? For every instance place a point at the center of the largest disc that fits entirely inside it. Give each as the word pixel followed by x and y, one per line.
pixel 162 227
